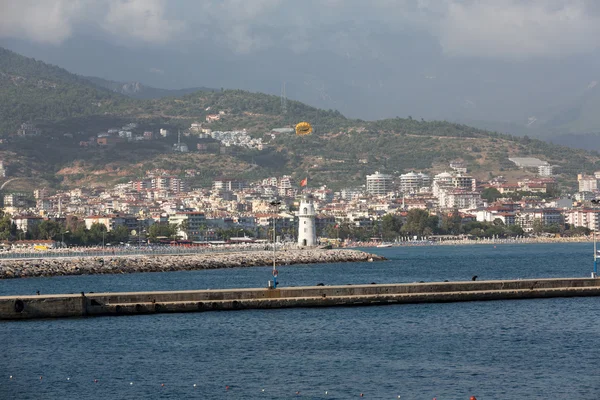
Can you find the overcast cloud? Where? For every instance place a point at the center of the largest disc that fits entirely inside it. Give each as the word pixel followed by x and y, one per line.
pixel 467 60
pixel 483 28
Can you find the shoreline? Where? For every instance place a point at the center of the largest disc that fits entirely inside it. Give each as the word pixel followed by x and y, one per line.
pixel 48 267
pixel 463 242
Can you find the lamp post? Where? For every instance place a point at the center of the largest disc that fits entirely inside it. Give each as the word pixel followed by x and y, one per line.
pixel 275 204
pixel 595 272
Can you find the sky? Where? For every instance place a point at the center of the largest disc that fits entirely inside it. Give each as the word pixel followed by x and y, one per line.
pixel 492 60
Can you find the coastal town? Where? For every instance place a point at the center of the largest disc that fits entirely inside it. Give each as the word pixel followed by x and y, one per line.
pixel 161 207
pixel 268 200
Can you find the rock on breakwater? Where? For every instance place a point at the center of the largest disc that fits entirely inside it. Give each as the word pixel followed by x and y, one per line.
pixel 161 263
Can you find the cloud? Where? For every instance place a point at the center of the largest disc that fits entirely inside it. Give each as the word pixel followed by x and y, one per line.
pixel 474 28
pixel 140 20
pixel 518 29
pixel 39 21
pixel 54 21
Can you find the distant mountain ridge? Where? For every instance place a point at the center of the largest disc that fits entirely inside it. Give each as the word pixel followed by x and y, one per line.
pixel 138 90
pixel 31 90
pixel 574 123
pixel 578 116
pixel 340 150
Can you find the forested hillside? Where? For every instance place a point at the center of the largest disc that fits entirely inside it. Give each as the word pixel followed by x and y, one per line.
pixel 31 90
pixel 341 151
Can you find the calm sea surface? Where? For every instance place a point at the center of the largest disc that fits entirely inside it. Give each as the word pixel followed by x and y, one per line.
pixel 528 349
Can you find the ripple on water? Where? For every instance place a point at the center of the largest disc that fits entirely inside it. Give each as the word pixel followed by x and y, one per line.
pixel 505 349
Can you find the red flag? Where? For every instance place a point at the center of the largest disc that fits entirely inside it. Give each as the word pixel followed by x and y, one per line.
pixel 304 182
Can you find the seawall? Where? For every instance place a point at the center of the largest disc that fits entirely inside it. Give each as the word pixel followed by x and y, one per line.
pixel 162 263
pixel 97 304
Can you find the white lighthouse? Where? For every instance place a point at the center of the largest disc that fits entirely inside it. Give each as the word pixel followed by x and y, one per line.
pixel 307 235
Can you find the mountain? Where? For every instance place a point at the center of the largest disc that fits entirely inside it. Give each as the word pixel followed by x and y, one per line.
pixel 580 115
pixel 138 90
pixel 71 111
pixel 400 73
pixel 31 90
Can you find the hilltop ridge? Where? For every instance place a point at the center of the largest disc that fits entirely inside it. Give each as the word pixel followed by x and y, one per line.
pixel 70 110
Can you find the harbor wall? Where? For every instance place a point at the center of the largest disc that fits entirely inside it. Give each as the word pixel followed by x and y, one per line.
pixel 118 264
pixel 96 304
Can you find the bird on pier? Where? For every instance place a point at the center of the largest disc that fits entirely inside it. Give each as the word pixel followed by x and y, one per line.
pixel 474 278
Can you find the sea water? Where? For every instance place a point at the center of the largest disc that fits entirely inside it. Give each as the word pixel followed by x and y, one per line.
pixel 513 349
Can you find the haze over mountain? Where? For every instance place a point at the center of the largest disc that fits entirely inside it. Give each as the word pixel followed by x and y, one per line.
pixel 140 91
pixel 519 66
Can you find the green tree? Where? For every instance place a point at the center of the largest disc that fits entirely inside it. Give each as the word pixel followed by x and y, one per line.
pixel 494 231
pixel 161 230
pixel 452 224
pixel 553 228
pixel 78 235
pixel 48 230
pixel 417 220
pixel 391 226
pixel 8 229
pixel 490 194
pixel 119 234
pixel 578 231
pixel 97 234
pixel 515 230
pixel 538 226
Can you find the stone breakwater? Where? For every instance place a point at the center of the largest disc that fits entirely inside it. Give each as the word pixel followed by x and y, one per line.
pixel 162 263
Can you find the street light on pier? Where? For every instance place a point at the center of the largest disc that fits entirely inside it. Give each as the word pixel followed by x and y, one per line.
pixel 595 272
pixel 275 204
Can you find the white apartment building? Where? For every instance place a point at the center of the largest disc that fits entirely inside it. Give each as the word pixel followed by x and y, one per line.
pixel 459 198
pixel 546 170
pixel 440 181
pixel 588 218
pixel 412 182
pixel 587 183
pixel 350 194
pixel 507 217
pixel 445 181
pixel 229 184
pixel 547 216
pixel 379 184
pixel 26 222
pixel 584 196
pixel 194 222
pixel 284 184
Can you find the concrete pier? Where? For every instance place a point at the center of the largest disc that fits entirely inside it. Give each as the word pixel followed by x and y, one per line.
pixel 96 304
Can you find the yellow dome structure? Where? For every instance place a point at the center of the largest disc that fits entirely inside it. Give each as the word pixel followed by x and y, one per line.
pixel 303 128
